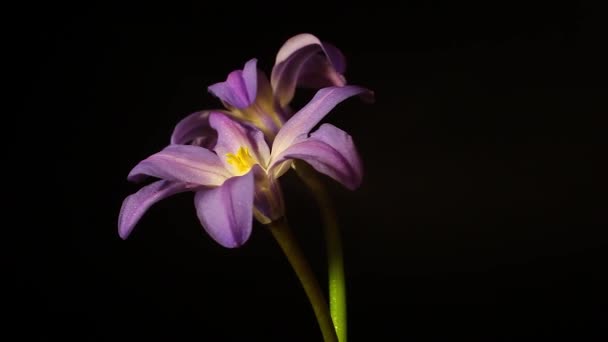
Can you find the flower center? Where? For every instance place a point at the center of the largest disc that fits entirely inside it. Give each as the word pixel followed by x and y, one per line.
pixel 263 116
pixel 241 161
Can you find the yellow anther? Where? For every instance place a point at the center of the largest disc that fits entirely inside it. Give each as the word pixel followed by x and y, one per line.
pixel 242 161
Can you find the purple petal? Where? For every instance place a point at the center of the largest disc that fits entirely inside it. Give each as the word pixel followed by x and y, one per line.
pixel 318 72
pixel 135 205
pixel 265 113
pixel 306 61
pixel 232 136
pixel 240 88
pixel 226 211
pixel 182 163
pixel 304 120
pixel 335 56
pixel 193 127
pixel 250 77
pixel 268 200
pixel 330 151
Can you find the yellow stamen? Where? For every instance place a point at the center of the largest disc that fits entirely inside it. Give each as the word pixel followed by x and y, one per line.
pixel 242 161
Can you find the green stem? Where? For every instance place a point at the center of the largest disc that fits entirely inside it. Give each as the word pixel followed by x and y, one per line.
pixel 286 240
pixel 337 286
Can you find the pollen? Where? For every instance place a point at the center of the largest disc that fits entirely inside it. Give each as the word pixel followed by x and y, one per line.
pixel 242 161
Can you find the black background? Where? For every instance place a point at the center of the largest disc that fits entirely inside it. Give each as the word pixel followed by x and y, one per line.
pixel 480 216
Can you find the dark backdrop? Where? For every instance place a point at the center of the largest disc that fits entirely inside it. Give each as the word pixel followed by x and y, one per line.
pixel 480 216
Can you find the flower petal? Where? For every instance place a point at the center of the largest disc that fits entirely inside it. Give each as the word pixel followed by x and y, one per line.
pixel 268 204
pixel 330 151
pixel 232 136
pixel 182 163
pixel 305 60
pixel 136 205
pixel 226 211
pixel 306 118
pixel 240 88
pixel 194 127
pixel 324 70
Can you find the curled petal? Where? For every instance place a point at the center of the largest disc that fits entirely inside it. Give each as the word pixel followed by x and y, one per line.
pixel 306 118
pixel 330 151
pixel 226 211
pixel 136 205
pixel 305 60
pixel 321 71
pixel 232 136
pixel 318 73
pixel 182 163
pixel 194 127
pixel 240 88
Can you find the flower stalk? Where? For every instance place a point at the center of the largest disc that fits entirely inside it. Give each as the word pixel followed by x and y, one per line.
pixel 286 240
pixel 335 258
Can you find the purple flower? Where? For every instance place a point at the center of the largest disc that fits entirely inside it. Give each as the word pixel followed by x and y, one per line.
pixel 238 178
pixel 251 98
